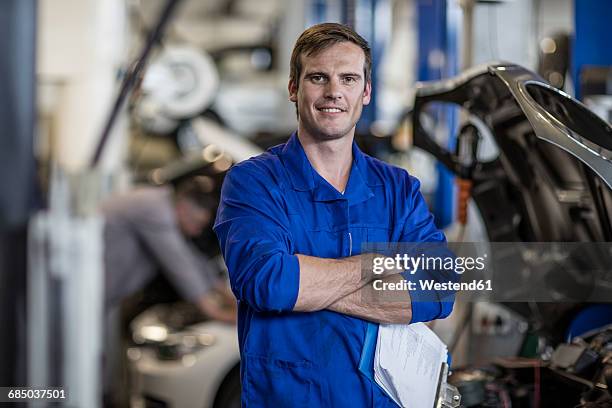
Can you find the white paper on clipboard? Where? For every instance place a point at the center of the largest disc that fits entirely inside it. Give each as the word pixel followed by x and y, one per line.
pixel 407 363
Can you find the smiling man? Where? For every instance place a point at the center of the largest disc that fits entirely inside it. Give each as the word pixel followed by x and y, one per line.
pixel 291 225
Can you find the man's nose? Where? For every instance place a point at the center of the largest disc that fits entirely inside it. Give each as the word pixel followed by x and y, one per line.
pixel 332 90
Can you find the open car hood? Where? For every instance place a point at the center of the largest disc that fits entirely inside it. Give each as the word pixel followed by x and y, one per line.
pixel 552 179
pixel 494 91
pixel 555 155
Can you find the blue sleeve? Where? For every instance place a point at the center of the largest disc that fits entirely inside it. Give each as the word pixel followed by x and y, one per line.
pixel 419 227
pixel 255 242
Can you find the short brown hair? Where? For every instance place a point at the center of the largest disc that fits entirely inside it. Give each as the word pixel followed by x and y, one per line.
pixel 320 37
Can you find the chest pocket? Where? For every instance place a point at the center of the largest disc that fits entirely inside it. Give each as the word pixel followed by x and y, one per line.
pixel 335 230
pixel 363 235
pixel 374 218
pixel 321 241
pixel 318 228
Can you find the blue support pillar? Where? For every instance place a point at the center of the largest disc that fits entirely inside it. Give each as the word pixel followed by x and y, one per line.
pixel 365 12
pixel 334 11
pixel 361 15
pixel 592 45
pixel 318 12
pixel 438 22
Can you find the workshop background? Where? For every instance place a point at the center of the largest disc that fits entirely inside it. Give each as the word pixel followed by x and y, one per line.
pixel 104 95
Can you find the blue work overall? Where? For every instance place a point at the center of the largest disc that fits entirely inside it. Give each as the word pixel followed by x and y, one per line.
pixel 275 206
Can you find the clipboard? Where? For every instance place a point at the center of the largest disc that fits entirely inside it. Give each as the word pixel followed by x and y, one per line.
pixel 447 396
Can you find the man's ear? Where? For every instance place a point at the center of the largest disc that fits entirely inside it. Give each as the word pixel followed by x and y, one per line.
pixel 292 87
pixel 367 93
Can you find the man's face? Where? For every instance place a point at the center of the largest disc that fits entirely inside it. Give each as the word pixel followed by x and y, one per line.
pixel 191 218
pixel 332 91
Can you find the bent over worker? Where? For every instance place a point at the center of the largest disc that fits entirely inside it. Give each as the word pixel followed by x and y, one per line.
pixel 148 230
pixel 291 224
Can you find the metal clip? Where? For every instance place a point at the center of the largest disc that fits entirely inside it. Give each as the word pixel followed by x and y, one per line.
pixel 448 395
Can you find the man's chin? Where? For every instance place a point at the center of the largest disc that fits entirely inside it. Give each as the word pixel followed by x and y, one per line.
pixel 331 134
pixel 327 131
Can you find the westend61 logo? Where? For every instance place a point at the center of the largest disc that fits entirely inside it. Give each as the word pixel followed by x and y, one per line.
pixel 412 264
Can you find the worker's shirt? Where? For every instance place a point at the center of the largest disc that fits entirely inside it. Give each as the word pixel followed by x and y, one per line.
pixel 275 206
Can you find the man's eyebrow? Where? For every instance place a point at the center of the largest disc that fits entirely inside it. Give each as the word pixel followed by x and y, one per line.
pixel 355 74
pixel 307 74
pixel 343 74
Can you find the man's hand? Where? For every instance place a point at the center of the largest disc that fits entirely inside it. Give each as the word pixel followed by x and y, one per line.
pixel 376 306
pixel 210 307
pixel 324 281
pixel 225 295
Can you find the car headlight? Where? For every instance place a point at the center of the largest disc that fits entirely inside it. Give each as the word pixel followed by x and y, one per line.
pixel 173 346
pixel 181 345
pixel 153 333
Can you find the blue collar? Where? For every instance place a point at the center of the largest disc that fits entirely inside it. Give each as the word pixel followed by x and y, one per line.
pixel 305 178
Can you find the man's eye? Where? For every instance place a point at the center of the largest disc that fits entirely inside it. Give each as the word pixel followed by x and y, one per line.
pixel 317 78
pixel 349 80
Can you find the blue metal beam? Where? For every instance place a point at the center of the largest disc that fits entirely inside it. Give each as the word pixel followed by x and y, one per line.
pixel 361 15
pixel 365 18
pixel 438 22
pixel 592 45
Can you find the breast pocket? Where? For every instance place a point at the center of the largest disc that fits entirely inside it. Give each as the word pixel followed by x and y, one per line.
pixel 321 241
pixel 277 383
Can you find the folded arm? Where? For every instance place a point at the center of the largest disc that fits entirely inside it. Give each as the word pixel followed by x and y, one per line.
pixel 266 273
pixel 325 281
pixel 370 304
pixel 403 306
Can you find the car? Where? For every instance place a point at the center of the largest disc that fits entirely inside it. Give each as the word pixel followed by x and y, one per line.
pixel 548 185
pixel 552 178
pixel 181 360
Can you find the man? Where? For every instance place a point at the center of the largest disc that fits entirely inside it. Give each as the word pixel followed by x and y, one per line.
pixel 291 222
pixel 147 230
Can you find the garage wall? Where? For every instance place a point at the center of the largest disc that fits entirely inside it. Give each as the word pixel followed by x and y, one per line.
pixel 511 30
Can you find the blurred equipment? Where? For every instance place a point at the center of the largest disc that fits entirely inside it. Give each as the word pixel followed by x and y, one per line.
pixel 65 277
pixel 596 86
pixel 242 38
pixel 206 148
pixel 130 79
pixel 218 24
pixel 577 375
pixel 554 59
pixel 180 83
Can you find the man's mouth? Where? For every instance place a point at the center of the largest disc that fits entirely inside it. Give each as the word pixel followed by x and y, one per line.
pixel 329 109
